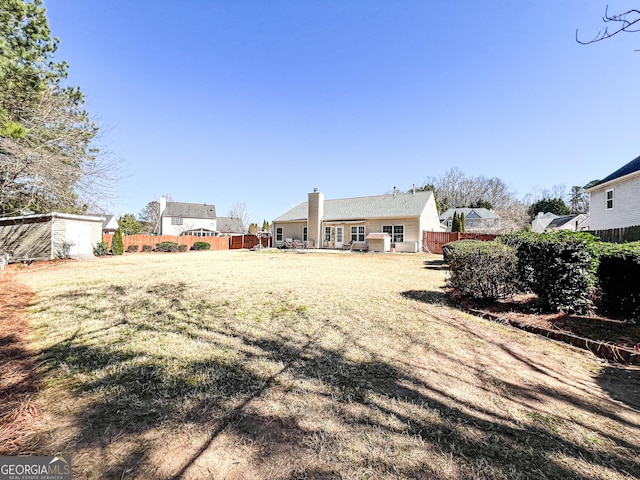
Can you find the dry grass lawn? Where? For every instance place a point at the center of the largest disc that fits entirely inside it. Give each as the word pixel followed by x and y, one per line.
pixel 281 365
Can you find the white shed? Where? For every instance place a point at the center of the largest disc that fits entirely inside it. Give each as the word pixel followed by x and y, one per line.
pixel 379 242
pixel 50 235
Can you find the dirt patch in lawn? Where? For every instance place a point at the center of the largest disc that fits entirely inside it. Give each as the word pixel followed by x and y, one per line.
pixel 599 332
pixel 18 379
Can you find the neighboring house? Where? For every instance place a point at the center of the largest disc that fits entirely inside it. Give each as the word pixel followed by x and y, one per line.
pixel 230 226
pixel 178 218
pixel 614 201
pixel 324 223
pixel 476 219
pixel 109 224
pixel 550 221
pixel 51 235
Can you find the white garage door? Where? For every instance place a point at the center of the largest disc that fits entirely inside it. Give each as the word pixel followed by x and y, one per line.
pixel 79 237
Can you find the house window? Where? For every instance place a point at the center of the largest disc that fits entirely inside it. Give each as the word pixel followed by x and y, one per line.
pixel 176 220
pixel 279 234
pixel 609 199
pixel 396 232
pixel 357 234
pixel 304 234
pixel 327 234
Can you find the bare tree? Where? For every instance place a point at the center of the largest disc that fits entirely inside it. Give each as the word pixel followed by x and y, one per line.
pixel 55 164
pixel 628 21
pixel 241 211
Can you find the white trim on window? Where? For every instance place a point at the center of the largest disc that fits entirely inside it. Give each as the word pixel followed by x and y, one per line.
pixel 608 195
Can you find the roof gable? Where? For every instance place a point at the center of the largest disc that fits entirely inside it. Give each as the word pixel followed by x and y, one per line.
pixel 469 213
pixel 189 210
pixel 357 208
pixel 631 167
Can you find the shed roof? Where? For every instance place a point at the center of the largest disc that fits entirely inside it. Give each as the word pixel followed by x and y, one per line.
pixel 378 206
pixel 631 167
pixel 377 236
pixel 47 216
pixel 189 210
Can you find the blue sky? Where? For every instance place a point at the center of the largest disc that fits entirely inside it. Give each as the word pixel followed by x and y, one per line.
pixel 261 101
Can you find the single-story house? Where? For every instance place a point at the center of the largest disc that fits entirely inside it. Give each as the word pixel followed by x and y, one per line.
pixel 51 235
pixel 321 223
pixel 614 201
pixel 476 219
pixel 550 221
pixel 109 224
pixel 179 218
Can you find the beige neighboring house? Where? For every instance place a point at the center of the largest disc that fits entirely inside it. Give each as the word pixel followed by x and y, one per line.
pixel 321 223
pixel 614 201
pixel 179 218
pixel 50 236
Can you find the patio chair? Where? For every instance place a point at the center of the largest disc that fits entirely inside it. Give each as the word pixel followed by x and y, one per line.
pixel 288 243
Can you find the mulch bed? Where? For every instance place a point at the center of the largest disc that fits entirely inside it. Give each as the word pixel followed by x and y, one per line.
pixel 19 381
pixel 608 338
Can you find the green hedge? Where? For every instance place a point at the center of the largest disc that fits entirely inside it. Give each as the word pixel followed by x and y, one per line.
pixel 482 270
pixel 132 248
pixel 619 279
pixel 167 247
pixel 101 249
pixel 201 246
pixel 450 249
pixel 559 267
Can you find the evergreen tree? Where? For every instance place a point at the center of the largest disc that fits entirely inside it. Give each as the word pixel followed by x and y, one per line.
pixel 129 224
pixel 461 221
pixel 455 223
pixel 117 244
pixel 47 157
pixel 552 205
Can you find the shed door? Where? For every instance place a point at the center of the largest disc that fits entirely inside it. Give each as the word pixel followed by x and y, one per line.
pixel 79 237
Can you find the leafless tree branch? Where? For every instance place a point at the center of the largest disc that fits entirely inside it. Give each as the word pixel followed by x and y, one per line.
pixel 624 22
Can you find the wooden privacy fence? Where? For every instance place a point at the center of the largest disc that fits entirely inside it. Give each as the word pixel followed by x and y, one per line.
pixel 618 235
pixel 433 241
pixel 217 243
pixel 248 241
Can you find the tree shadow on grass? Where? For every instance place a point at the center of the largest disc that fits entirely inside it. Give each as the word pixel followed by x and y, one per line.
pixel 622 384
pixel 136 391
pixel 430 297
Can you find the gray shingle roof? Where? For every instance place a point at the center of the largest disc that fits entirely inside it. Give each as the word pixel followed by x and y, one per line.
pixel 631 167
pixel 469 213
pixel 379 206
pixel 229 225
pixel 560 221
pixel 189 210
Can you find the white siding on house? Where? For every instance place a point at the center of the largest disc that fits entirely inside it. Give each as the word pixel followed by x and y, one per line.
pixel 168 228
pixel 626 205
